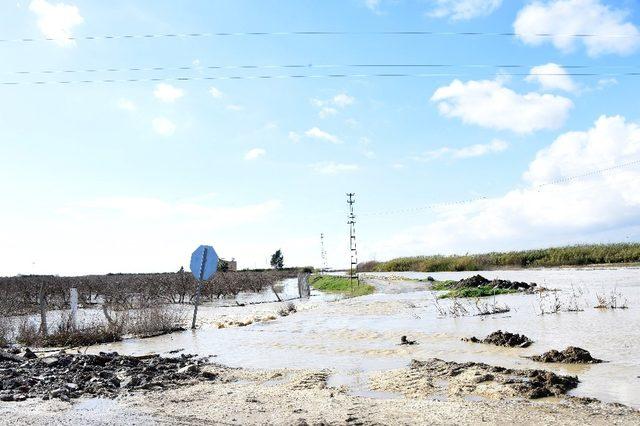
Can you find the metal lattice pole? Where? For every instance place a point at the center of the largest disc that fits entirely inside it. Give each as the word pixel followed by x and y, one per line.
pixel 352 240
pixel 323 256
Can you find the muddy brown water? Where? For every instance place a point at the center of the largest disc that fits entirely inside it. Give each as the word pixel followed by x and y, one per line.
pixel 358 337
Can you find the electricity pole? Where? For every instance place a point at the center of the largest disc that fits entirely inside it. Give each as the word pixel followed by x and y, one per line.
pixel 352 239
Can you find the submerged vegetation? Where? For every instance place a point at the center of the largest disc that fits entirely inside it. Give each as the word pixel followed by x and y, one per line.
pixel 558 256
pixel 338 284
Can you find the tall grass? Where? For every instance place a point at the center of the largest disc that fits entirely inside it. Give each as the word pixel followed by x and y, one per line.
pixel 338 284
pixel 558 256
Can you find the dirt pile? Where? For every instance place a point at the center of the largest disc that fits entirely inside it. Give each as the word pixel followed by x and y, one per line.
pixel 500 338
pixel 571 355
pixel 68 376
pixel 435 377
pixel 480 281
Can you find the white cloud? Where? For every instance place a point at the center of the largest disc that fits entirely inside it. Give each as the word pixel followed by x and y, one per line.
pixel 163 126
pixel 254 153
pixel 477 150
pixel 123 235
pixel 167 93
pixel 56 21
pixel 343 100
pixel 235 108
pixel 552 77
pixel 489 104
pixel 327 112
pixel 316 133
pixel 294 137
pixel 605 205
pixel 562 17
pixel 373 5
pixel 459 10
pixel 330 107
pixel 332 168
pixel 215 92
pixel 126 105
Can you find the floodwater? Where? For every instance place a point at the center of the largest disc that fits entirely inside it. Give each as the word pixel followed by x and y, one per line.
pixel 357 337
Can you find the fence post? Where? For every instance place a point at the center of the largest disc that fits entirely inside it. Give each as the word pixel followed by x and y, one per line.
pixel 73 301
pixel 43 310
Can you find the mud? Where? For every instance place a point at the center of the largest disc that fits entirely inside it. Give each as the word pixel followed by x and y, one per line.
pixel 571 355
pixel 480 281
pixel 435 377
pixel 69 376
pixel 500 338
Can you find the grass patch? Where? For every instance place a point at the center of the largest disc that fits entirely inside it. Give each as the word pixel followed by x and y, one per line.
pixel 451 292
pixel 556 256
pixel 342 285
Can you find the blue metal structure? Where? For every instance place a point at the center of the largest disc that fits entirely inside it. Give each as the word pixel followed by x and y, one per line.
pixel 204 263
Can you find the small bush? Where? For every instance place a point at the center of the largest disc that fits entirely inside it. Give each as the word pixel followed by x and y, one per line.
pixel 289 308
pixel 153 321
pixel 28 333
pixel 6 331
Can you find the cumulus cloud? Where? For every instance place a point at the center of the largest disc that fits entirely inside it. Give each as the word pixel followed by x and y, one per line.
pixel 552 77
pixel 215 92
pixel 235 107
pixel 167 93
pixel 585 209
pixel 122 232
pixel 614 33
pixel 477 150
pixel 316 133
pixel 329 107
pixel 163 126
pixel 333 168
pixel 254 153
pixel 57 21
pixel 294 137
pixel 488 103
pixel 459 10
pixel 127 105
pixel 373 5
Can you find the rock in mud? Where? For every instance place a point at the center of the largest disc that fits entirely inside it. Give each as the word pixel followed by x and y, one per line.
pixel 571 355
pixel 68 376
pixel 404 341
pixel 500 338
pixel 480 281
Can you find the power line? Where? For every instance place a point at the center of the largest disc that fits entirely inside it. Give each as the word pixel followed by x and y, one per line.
pixel 558 181
pixel 309 33
pixel 298 76
pixel 587 174
pixel 305 66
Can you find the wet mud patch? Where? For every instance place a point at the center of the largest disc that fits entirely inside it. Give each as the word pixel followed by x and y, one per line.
pixel 571 355
pixel 500 338
pixel 424 379
pixel 106 375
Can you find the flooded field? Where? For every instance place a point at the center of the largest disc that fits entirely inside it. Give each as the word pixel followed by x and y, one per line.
pixel 358 338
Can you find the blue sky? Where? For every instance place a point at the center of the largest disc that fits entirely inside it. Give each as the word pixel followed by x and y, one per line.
pixel 131 176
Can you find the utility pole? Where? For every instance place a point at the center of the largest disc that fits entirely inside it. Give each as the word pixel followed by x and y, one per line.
pixel 323 256
pixel 352 239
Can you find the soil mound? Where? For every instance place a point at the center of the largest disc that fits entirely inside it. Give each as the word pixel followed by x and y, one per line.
pixel 500 338
pixel 571 355
pixel 480 281
pixel 67 376
pixel 457 380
